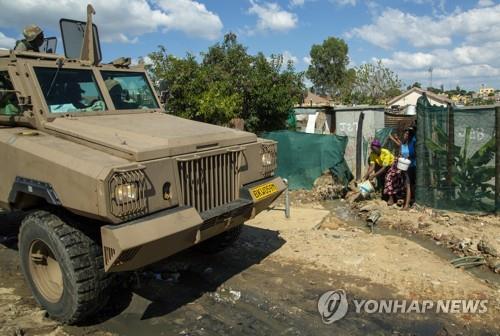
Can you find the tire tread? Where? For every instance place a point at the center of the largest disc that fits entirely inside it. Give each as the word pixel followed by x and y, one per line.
pixel 86 263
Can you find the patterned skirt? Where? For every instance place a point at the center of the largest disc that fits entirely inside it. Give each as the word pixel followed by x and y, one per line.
pixel 394 181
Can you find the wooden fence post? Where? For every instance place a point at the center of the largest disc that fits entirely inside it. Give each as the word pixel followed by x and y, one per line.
pixel 359 146
pixel 451 144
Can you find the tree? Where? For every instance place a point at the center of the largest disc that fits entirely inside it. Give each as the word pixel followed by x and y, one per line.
pixel 434 90
pixel 185 81
pixel 230 83
pixel 375 84
pixel 328 66
pixel 275 88
pixel 346 89
pixel 415 84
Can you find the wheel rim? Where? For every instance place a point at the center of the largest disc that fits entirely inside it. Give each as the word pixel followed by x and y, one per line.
pixel 45 271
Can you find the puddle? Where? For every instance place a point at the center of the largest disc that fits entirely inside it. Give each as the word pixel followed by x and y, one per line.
pixel 342 211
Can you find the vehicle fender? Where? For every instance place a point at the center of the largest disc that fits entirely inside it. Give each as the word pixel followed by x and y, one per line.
pixel 32 187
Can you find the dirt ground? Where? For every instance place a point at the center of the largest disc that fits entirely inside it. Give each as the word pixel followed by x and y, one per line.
pixel 464 234
pixel 269 282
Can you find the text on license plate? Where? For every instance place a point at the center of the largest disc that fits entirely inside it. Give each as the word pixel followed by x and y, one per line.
pixel 264 190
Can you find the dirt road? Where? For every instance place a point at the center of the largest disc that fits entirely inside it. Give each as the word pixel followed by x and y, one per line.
pixel 269 283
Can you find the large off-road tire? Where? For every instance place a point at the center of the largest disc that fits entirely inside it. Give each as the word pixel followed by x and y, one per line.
pixel 220 242
pixel 63 267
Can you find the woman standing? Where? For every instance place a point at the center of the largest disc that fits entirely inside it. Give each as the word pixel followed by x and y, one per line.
pixel 399 181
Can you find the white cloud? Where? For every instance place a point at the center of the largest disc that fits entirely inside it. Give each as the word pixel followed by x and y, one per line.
pixel 297 2
pixel 485 3
pixel 461 47
pixel 344 2
pixel 307 60
pixel 192 18
pixel 437 6
pixel 6 42
pixel 271 17
pixel 393 25
pixel 118 20
pixel 288 56
pixel 463 64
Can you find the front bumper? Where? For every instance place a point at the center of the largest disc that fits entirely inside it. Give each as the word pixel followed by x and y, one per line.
pixel 144 241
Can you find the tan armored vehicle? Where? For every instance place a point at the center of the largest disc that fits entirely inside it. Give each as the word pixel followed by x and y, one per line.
pixel 110 182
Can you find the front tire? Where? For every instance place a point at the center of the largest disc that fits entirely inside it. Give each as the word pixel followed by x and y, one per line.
pixel 63 267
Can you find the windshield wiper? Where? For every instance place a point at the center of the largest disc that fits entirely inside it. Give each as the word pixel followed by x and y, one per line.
pixel 59 63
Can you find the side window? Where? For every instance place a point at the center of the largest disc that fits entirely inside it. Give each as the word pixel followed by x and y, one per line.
pixel 8 99
pixel 129 90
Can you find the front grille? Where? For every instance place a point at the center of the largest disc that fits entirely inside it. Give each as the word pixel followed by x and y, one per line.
pixel 132 208
pixel 210 182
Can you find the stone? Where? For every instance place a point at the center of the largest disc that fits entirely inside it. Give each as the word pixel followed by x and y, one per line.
pixel 485 247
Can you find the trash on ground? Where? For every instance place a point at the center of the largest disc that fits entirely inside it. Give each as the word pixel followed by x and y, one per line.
pixel 470 261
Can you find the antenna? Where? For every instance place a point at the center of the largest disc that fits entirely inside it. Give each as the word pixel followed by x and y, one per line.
pixel 430 75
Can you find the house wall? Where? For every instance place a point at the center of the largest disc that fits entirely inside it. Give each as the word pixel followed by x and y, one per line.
pixel 308 120
pixel 412 98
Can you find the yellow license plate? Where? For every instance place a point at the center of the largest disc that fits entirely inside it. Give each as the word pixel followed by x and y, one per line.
pixel 264 190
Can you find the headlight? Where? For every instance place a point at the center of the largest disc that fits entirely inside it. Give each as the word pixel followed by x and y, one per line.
pixel 125 193
pixel 267 159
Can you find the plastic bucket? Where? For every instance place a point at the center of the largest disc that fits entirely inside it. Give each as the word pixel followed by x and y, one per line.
pixel 403 164
pixel 366 188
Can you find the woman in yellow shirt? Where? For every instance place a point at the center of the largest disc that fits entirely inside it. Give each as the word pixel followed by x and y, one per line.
pixel 380 160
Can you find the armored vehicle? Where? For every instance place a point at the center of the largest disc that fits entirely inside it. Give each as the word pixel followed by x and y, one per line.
pixel 108 180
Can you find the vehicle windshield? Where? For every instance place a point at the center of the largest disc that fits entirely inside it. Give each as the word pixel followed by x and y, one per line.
pixel 70 90
pixel 129 90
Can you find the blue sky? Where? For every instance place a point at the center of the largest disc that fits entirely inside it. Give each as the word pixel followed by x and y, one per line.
pixel 460 40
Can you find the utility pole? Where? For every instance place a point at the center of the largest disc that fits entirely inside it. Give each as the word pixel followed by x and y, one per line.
pixel 430 75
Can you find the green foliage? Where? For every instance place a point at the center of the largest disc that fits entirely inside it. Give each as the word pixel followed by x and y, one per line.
pixel 415 84
pixel 434 90
pixel 218 104
pixel 375 84
pixel 347 87
pixel 229 83
pixel 328 66
pixel 471 177
pixel 456 91
pixel 186 82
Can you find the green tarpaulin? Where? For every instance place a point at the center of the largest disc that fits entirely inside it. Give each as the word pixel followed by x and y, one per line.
pixel 303 157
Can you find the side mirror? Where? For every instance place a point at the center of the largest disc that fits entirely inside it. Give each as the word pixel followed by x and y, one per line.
pixel 49 45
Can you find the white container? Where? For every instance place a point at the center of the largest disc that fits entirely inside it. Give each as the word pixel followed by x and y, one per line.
pixel 403 164
pixel 411 110
pixel 366 188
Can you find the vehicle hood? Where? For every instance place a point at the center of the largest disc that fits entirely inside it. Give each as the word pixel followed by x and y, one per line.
pixel 146 136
